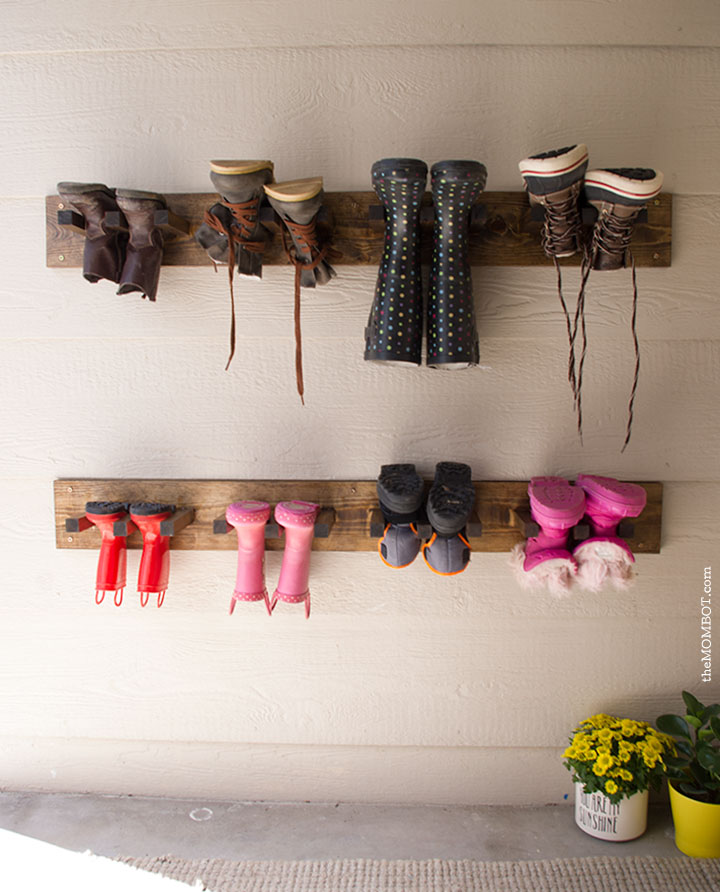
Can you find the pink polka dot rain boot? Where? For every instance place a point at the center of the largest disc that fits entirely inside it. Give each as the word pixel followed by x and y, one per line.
pixel 249 519
pixel 605 556
pixel 544 561
pixel 298 522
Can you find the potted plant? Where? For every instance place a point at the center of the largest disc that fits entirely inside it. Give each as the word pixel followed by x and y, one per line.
pixel 694 777
pixel 615 762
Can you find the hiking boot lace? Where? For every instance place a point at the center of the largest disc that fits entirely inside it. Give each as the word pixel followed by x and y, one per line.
pixel 305 234
pixel 611 235
pixel 245 216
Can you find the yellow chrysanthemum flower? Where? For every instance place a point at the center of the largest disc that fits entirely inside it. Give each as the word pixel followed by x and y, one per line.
pixel 605 735
pixel 650 759
pixel 626 775
pixel 570 753
pixel 611 786
pixel 653 743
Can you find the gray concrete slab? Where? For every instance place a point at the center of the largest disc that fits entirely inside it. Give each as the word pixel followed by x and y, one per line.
pixel 138 826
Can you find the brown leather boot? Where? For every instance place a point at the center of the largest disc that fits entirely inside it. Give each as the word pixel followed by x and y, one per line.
pixel 141 270
pixel 619 194
pixel 104 252
pixel 297 203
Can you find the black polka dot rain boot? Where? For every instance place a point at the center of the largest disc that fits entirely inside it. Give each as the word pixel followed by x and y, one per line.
pixel 452 340
pixel 394 331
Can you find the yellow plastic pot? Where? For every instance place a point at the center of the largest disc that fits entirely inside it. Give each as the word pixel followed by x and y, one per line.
pixel 697 825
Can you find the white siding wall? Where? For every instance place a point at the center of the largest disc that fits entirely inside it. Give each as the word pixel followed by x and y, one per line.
pixel 403 686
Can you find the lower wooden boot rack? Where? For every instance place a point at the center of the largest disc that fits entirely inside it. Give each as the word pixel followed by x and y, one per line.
pixel 349 520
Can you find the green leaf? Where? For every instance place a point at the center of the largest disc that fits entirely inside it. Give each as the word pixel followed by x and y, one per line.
pixel 694 706
pixel 706 734
pixel 709 758
pixel 673 724
pixel 684 747
pixel 715 725
pixel 691 790
pixel 710 711
pixel 692 720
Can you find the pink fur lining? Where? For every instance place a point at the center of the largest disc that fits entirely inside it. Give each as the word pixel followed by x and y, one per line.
pixel 615 567
pixel 555 576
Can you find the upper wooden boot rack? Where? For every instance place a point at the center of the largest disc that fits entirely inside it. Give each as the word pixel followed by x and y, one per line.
pixel 349 520
pixel 505 231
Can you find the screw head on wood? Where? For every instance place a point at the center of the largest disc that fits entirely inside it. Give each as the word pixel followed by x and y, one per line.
pixel 69 489
pixel 60 205
pixel 69 538
pixel 656 256
pixel 61 257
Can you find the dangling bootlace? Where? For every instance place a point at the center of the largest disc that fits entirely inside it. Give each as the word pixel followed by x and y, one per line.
pixel 561 236
pixel 305 235
pixel 611 237
pixel 237 233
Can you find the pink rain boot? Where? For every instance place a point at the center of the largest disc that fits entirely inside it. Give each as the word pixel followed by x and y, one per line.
pixel 544 560
pixel 605 555
pixel 249 519
pixel 298 521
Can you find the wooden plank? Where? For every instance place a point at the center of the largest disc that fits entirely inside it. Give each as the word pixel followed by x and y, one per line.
pixel 509 238
pixel 353 501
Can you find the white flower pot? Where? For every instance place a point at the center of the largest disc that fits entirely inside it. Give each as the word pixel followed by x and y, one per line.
pixel 596 815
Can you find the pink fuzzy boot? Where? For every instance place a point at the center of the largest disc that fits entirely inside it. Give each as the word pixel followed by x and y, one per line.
pixel 544 560
pixel 249 519
pixel 298 521
pixel 605 555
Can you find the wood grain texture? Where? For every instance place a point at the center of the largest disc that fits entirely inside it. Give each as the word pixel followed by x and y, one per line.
pixel 333 112
pixel 273 23
pixel 509 238
pixel 676 303
pixel 352 500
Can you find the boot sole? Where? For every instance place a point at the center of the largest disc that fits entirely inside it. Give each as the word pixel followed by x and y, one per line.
pixel 84 188
pixel 604 185
pixel 451 498
pixel 239 167
pixel 295 190
pixel 400 488
pixel 555 165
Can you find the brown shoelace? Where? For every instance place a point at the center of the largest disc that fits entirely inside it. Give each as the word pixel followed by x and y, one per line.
pixel 245 220
pixel 306 236
pixel 613 235
pixel 561 233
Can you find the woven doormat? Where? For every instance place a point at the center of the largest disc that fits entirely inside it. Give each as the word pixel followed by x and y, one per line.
pixel 560 875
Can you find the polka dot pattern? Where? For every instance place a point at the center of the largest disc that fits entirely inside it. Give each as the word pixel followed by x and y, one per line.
pixel 394 329
pixel 452 338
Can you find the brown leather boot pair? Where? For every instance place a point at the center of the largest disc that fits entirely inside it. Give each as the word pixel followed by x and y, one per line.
pixel 232 233
pixel 122 242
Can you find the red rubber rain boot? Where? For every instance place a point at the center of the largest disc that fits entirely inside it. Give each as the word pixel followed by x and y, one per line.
pixel 112 562
pixel 155 562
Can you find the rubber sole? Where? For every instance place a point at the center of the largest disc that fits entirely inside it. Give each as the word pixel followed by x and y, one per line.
pixel 400 490
pixel 451 498
pixel 295 190
pixel 553 165
pixel 236 167
pixel 607 185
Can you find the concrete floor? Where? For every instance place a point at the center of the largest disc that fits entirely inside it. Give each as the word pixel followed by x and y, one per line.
pixel 138 826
